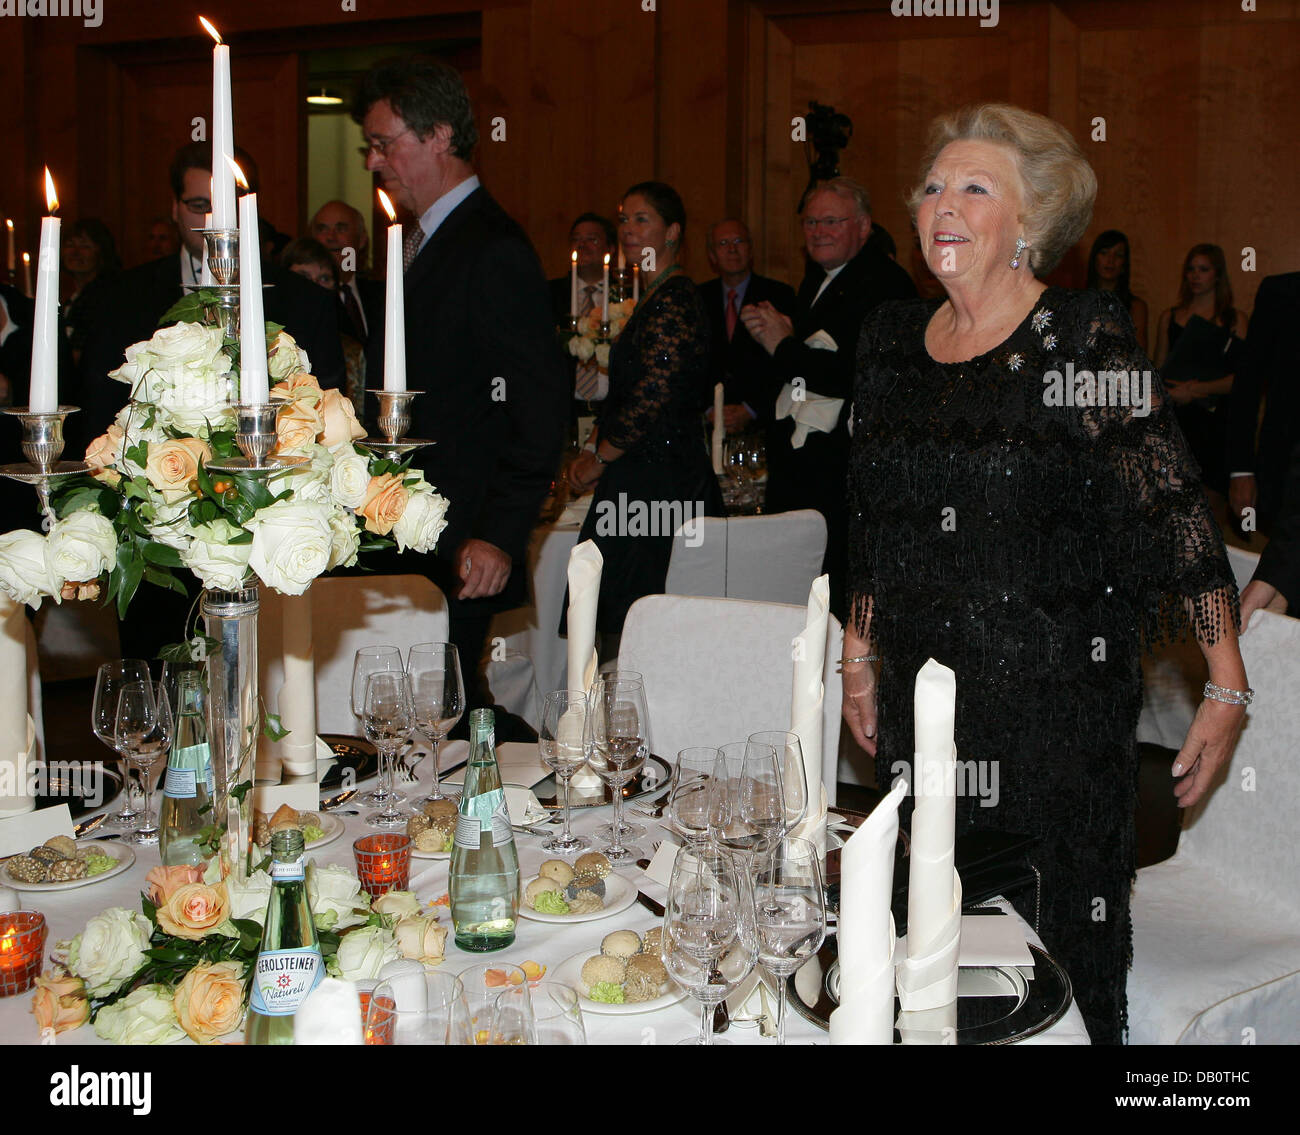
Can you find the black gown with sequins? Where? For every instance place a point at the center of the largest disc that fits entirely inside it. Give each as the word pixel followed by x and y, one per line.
pixel 1033 543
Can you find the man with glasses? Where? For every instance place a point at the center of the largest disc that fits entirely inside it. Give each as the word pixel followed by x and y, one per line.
pixel 747 372
pixel 338 226
pixel 815 354
pixel 480 342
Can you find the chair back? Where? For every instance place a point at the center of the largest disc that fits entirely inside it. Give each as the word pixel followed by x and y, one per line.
pixel 770 559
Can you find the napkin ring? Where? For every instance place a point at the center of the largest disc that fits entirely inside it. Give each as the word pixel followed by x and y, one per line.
pixel 1227 696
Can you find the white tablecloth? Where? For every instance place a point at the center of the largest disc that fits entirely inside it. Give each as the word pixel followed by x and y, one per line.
pixel 548 944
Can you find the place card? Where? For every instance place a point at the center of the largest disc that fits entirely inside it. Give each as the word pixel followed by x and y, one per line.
pixel 661 866
pixel 302 795
pixel 993 940
pixel 19 834
pixel 518 762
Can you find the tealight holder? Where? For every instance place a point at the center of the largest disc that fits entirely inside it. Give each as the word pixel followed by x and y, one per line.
pixel 256 437
pixel 22 949
pixel 394 420
pixel 42 446
pixel 383 862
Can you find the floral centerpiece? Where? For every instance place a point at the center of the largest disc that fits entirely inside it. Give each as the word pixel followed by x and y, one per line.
pixel 587 342
pixel 182 965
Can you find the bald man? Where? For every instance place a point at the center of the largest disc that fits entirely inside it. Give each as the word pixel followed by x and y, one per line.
pixel 338 226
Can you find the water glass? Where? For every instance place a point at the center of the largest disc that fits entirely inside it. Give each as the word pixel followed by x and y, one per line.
pixel 103 719
pixel 562 744
pixel 372 660
pixel 438 692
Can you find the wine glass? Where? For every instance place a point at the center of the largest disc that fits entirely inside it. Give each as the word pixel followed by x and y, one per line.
pixel 374 660
pixel 144 731
pixel 687 811
pixel 708 943
pixel 512 1016
pixel 388 719
pixel 626 831
pixel 790 914
pixel 435 1015
pixel 616 748
pixel 109 681
pixel 793 775
pixel 746 809
pixel 557 1016
pixel 562 745
pixel 483 984
pixel 438 693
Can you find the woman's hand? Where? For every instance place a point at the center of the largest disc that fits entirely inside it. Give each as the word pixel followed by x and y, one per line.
pixel 584 472
pixel 1209 744
pixel 860 703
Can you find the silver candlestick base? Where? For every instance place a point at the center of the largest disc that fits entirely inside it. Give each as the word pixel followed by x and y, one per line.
pixel 42 446
pixel 256 437
pixel 223 254
pixel 394 421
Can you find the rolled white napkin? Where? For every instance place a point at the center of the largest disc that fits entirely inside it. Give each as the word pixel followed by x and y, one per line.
pixel 810 412
pixel 927 978
pixel 297 700
pixel 866 928
pixel 17 731
pixel 331 1014
pixel 719 429
pixel 806 698
pixel 585 565
pixel 406 978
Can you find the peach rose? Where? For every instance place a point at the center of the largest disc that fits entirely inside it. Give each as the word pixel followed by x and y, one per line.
pixel 209 1001
pixel 172 465
pixel 384 504
pixel 194 910
pixel 296 425
pixel 82 592
pixel 163 882
pixel 60 1002
pixel 340 418
pixel 104 451
pixel 298 388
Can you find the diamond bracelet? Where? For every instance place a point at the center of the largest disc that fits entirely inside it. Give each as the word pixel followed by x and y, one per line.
pixel 1227 696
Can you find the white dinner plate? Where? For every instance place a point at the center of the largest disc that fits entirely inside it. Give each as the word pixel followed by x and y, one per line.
pixel 569 972
pixel 332 826
pixel 122 852
pixel 619 895
pixel 418 854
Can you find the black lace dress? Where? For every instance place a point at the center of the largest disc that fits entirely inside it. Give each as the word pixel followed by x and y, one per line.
pixel 658 389
pixel 1032 546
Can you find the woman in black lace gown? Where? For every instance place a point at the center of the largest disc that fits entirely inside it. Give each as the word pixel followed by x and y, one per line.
pixel 648 462
pixel 1027 540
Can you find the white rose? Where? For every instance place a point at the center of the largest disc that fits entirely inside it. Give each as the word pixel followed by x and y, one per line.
pixel 284 357
pixel 171 524
pixel 291 544
pixel 421 938
pixel 422 521
pixel 345 540
pixel 248 898
pixel 145 1016
pixel 81 546
pixel 398 904
pixel 194 402
pixel 602 355
pixel 25 574
pixel 349 479
pixel 364 952
pixel 337 900
pixel 219 564
pixel 310 482
pixel 110 949
pixel 582 348
pixel 184 345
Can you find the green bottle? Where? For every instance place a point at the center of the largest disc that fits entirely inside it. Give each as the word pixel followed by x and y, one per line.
pixel 289 964
pixel 188 787
pixel 484 863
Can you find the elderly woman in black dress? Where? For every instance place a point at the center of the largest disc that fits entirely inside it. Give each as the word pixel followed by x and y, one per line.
pixel 1032 532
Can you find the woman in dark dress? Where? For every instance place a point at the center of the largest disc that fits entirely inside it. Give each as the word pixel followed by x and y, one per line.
pixel 1110 270
pixel 1030 542
pixel 647 461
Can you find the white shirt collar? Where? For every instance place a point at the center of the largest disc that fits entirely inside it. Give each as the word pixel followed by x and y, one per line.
pixel 441 209
pixel 188 276
pixel 829 277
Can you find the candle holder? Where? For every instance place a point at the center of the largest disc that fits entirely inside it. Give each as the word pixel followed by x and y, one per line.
pixel 383 862
pixel 620 284
pixel 22 949
pixel 394 420
pixel 255 435
pixel 42 446
pixel 223 263
pixel 604 330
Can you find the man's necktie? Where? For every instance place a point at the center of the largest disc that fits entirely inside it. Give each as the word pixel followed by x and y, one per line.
pixel 350 305
pixel 733 313
pixel 588 300
pixel 411 244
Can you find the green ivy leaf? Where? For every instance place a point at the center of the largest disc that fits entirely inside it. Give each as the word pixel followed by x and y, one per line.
pixel 272 730
pixel 190 308
pixel 163 555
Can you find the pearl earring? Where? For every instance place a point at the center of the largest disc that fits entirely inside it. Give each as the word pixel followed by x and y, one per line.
pixel 1021 245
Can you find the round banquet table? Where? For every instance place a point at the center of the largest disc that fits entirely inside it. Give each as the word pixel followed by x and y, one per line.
pixel 546 943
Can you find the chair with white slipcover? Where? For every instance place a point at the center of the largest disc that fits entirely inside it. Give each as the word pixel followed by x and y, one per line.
pixel 771 559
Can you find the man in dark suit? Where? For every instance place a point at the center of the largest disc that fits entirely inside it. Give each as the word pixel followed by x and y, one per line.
pixel 480 341
pixel 130 312
pixel 816 353
pixel 591 237
pixel 1275 586
pixel 750 378
pixel 1270 366
pixel 340 228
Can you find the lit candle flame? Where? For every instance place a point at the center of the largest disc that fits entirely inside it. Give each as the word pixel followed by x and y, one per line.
pixel 574 256
pixel 27 257
pixel 51 197
pixel 387 203
pixel 607 260
pixel 207 27
pixel 240 179
pixel 9 224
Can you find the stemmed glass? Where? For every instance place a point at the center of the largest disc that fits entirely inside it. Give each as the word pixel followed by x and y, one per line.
pixel 375 660
pixel 616 747
pixel 790 913
pixel 626 831
pixel 109 681
pixel 746 799
pixel 687 811
pixel 437 1014
pixel 143 729
pixel 389 719
pixel 557 1016
pixel 709 944
pixel 438 692
pixel 794 786
pixel 562 744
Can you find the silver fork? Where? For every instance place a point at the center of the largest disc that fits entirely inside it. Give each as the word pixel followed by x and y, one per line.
pixel 655 813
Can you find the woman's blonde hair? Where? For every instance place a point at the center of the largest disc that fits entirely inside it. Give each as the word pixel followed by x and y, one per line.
pixel 1059 184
